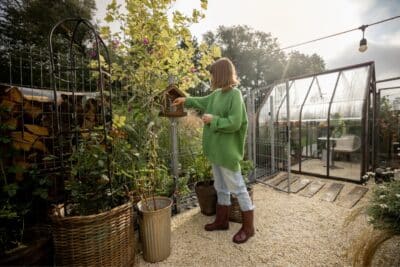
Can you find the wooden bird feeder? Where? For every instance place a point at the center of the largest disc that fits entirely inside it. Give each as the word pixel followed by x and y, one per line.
pixel 168 96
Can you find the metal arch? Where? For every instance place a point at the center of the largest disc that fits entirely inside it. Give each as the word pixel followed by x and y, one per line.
pixel 328 141
pixel 286 82
pixel 301 113
pixel 99 42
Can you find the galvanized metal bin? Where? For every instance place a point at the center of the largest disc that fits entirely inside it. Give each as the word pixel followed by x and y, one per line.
pixel 155 228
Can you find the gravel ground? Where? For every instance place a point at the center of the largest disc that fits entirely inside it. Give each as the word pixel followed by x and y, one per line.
pixel 291 230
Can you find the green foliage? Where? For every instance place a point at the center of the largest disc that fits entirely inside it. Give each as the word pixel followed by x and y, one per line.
pixel 17 201
pixel 301 64
pixel 200 170
pixel 387 125
pixel 247 166
pixel 143 163
pixel 148 50
pixel 151 48
pixel 26 22
pixel 384 207
pixel 257 56
pixel 338 125
pixel 89 184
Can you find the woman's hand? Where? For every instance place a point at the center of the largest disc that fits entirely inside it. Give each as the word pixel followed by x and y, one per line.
pixel 207 118
pixel 178 101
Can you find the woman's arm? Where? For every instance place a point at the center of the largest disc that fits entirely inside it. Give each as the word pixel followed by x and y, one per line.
pixel 199 102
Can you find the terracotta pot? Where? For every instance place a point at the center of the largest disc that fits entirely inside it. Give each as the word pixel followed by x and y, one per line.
pixel 207 197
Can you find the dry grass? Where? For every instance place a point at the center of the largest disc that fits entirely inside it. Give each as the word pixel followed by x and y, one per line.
pixel 191 121
pixel 366 245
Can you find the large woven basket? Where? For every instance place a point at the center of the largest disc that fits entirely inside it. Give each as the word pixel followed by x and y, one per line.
pixel 235 214
pixel 105 239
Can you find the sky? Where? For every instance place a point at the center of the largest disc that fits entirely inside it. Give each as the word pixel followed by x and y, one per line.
pixel 293 22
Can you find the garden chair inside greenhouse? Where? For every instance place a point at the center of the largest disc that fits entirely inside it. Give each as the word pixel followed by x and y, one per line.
pixel 347 144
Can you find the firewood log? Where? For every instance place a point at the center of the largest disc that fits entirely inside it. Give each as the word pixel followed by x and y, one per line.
pixel 32 110
pixel 23 140
pixel 14 94
pixel 37 130
pixel 11 123
pixel 8 105
pixel 39 145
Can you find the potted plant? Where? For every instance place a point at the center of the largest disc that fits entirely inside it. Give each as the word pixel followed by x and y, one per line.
pixel 206 194
pixel 154 209
pixel 98 205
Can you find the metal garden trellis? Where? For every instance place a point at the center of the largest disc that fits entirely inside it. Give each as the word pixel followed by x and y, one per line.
pixel 72 78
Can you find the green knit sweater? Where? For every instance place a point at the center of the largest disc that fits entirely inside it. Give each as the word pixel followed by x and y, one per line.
pixel 223 138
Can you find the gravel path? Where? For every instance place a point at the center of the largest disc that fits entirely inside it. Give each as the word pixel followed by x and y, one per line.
pixel 291 230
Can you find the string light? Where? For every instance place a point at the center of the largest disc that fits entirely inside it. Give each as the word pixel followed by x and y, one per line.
pixel 363 41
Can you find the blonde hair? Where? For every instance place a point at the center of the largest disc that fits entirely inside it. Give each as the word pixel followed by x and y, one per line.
pixel 223 74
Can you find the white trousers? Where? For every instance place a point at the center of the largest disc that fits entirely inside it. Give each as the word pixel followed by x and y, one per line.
pixel 227 182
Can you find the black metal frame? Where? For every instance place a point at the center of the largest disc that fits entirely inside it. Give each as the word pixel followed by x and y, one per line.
pixel 72 71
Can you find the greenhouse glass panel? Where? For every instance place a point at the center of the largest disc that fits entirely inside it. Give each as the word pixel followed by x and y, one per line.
pixel 346 123
pixel 271 140
pixel 297 93
pixel 314 123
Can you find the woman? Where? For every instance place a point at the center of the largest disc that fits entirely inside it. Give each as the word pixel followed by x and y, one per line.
pixel 224 134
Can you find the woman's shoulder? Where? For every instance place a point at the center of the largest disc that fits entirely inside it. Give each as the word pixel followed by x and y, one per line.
pixel 237 91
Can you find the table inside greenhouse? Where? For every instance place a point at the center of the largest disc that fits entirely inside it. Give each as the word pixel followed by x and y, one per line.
pixel 325 139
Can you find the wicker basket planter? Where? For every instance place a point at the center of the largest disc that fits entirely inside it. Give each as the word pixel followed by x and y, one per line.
pixel 235 214
pixel 105 239
pixel 207 197
pixel 155 228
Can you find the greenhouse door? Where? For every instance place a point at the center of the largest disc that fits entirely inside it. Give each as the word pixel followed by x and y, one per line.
pixel 269 143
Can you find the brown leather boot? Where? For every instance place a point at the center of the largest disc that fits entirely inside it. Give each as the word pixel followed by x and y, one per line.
pixel 221 219
pixel 247 229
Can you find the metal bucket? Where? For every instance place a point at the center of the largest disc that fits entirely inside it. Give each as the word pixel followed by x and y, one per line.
pixel 155 228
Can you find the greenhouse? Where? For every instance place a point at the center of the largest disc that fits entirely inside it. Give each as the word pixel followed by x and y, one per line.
pixel 328 119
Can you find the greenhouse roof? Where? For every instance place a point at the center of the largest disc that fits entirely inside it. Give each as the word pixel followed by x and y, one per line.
pixel 341 93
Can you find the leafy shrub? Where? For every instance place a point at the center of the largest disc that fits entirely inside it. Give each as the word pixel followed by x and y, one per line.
pixel 384 207
pixel 247 167
pixel 200 170
pixel 89 188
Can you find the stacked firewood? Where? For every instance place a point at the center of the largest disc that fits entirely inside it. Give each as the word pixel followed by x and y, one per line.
pixel 30 117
